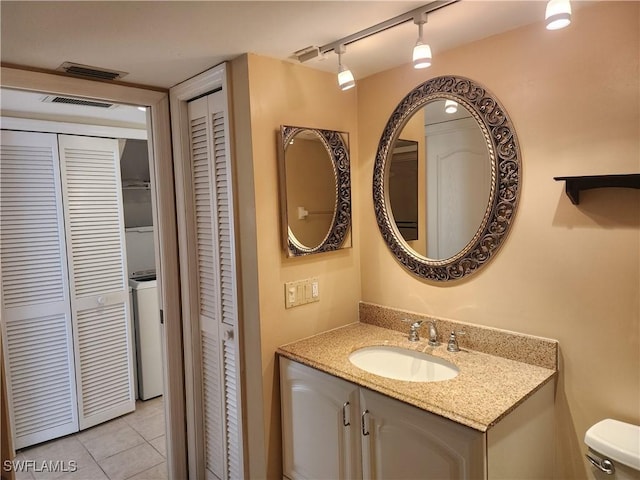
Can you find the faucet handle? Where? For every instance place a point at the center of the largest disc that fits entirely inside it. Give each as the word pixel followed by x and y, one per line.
pixel 413 329
pixel 452 345
pixel 414 323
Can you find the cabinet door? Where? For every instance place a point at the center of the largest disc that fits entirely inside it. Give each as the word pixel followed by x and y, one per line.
pixel 36 314
pixel 320 424
pixel 98 277
pixel 404 442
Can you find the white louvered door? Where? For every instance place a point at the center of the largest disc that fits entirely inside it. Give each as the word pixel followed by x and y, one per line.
pixel 98 277
pixel 216 280
pixel 36 314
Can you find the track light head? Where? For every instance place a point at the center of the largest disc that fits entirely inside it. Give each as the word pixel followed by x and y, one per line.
pixel 345 77
pixel 421 51
pixel 557 14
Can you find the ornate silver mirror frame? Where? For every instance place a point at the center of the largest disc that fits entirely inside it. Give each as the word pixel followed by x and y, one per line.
pixel 505 159
pixel 336 145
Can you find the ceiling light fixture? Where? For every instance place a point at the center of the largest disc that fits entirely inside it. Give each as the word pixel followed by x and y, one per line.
pixel 557 14
pixel 450 106
pixel 345 77
pixel 422 51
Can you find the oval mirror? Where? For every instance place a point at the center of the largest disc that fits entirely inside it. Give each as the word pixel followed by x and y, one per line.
pixel 315 190
pixel 446 178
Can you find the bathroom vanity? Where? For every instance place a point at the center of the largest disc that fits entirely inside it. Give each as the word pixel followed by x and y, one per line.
pixel 493 420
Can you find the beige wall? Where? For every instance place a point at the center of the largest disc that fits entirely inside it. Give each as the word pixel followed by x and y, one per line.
pixel 284 93
pixel 567 272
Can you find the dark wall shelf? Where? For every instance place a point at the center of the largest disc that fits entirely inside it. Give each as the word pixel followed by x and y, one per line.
pixel 573 185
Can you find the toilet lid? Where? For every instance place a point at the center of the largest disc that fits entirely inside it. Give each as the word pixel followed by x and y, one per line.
pixel 616 440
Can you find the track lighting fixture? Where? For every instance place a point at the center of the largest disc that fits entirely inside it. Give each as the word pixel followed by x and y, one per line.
pixel 345 77
pixel 421 51
pixel 558 14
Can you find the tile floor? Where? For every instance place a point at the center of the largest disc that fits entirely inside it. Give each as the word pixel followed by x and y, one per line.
pixel 130 447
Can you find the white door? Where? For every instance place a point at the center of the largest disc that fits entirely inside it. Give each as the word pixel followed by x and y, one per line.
pixel 458 185
pixel 404 443
pixel 98 277
pixel 36 314
pixel 216 375
pixel 320 424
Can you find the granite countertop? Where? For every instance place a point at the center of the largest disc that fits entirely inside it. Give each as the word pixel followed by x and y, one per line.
pixel 487 388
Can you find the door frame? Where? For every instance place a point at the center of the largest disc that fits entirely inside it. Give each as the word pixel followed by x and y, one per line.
pixel 162 177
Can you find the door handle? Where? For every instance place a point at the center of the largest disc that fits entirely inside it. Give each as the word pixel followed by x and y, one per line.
pixel 345 422
pixel 364 432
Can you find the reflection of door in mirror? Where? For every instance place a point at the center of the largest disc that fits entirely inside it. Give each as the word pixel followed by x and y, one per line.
pixel 403 188
pixel 457 184
pixel 311 191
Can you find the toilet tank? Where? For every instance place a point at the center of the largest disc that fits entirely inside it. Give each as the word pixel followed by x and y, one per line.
pixel 614 450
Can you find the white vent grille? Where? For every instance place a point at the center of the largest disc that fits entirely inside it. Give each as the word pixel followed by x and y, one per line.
pixel 84 102
pixel 104 358
pixel 88 71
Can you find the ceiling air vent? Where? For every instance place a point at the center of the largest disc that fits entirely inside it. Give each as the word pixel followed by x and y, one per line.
pixel 77 101
pixel 86 71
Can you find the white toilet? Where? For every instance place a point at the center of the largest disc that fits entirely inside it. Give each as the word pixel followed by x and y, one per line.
pixel 614 450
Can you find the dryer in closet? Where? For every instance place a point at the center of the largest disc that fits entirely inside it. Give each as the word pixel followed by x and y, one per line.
pixel 146 311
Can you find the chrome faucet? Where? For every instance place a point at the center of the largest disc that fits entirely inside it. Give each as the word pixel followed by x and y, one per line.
pixel 433 334
pixel 413 331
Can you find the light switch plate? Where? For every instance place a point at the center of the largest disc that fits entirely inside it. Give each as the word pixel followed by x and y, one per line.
pixel 300 292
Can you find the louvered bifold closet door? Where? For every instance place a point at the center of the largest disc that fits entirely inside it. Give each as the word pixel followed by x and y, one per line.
pixel 98 277
pixel 216 280
pixel 36 314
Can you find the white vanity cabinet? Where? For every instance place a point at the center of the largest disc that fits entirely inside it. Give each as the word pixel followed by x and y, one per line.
pixel 320 424
pixel 334 429
pixel 403 442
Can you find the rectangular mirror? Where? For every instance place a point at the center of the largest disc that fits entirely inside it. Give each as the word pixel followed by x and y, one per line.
pixel 315 190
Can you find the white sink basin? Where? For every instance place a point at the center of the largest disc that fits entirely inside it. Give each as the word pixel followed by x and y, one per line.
pixel 402 364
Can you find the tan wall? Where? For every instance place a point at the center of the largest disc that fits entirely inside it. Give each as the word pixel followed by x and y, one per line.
pixel 284 93
pixel 567 272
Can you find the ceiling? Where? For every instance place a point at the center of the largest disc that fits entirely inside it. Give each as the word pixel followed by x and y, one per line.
pixel 163 43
